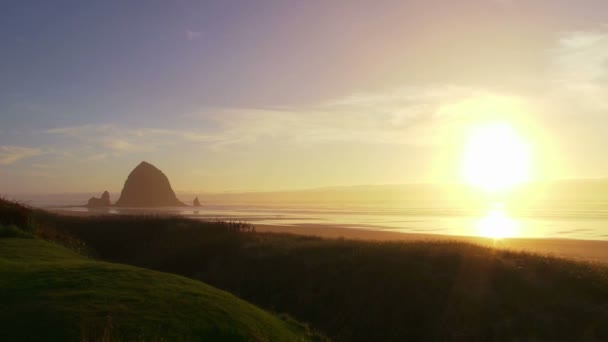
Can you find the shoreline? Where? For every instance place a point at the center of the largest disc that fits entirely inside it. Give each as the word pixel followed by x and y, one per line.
pixel 580 250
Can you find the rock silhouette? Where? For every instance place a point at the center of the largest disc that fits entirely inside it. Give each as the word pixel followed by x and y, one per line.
pixel 147 186
pixel 104 201
pixel 196 202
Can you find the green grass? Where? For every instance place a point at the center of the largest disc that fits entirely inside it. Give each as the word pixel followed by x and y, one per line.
pixel 51 293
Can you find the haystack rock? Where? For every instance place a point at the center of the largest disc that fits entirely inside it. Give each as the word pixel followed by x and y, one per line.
pixel 104 201
pixel 196 202
pixel 147 186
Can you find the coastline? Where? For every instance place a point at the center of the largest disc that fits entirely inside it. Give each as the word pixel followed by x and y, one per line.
pixel 580 250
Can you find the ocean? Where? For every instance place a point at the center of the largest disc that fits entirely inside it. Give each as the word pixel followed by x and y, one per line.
pixel 575 221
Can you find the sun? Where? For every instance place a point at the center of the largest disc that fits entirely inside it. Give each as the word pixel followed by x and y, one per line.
pixel 497 158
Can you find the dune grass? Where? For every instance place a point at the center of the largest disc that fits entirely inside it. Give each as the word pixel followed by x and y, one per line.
pixel 370 291
pixel 51 293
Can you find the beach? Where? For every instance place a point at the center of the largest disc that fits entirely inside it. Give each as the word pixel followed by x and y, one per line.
pixel 583 250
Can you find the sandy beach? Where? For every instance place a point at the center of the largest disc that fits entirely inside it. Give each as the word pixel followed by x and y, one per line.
pixel 586 250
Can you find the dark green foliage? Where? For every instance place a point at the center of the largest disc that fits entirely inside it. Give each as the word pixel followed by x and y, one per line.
pixel 122 237
pixel 35 222
pixel 12 231
pixel 15 214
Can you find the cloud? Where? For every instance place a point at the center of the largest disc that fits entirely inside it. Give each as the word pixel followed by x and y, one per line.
pixel 83 130
pixel 119 145
pixel 503 2
pixel 405 116
pixel 112 138
pixel 11 154
pixel 94 142
pixel 580 69
pixel 192 35
pixel 97 157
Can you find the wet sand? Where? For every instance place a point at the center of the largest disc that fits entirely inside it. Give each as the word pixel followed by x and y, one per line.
pixel 586 250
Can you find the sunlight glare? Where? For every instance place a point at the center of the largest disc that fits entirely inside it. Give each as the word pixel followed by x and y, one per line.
pixel 497 224
pixel 497 158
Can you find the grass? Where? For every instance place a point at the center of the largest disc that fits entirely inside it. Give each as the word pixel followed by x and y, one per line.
pixel 366 291
pixel 51 293
pixel 369 291
pixel 12 231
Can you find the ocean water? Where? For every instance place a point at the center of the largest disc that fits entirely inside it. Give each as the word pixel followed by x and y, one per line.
pixel 587 222
pixel 584 216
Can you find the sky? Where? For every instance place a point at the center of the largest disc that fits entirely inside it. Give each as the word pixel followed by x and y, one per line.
pixel 277 95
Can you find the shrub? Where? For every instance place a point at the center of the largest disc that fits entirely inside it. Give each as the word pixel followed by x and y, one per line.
pixel 12 231
pixel 12 213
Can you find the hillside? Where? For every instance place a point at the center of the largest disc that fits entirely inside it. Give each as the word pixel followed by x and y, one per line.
pixel 51 293
pixel 372 291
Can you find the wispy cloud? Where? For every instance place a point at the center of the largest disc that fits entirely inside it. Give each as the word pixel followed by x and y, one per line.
pixel 192 35
pixel 408 115
pixel 108 137
pixel 11 154
pixel 404 116
pixel 503 2
pixel 95 142
pixel 580 68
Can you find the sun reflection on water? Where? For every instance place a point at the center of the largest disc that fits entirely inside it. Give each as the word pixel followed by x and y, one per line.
pixel 497 224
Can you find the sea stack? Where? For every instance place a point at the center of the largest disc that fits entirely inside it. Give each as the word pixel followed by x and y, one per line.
pixel 196 202
pixel 102 202
pixel 147 186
